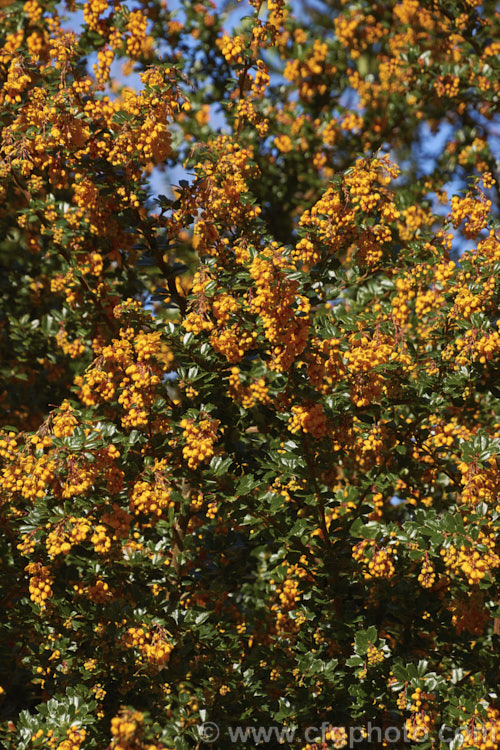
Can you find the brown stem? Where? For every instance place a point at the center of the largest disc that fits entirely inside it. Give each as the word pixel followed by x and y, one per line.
pixel 317 492
pixel 180 528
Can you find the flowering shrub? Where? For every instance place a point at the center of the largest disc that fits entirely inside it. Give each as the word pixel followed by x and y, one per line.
pixel 250 455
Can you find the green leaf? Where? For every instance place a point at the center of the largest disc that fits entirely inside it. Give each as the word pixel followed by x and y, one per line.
pixel 220 466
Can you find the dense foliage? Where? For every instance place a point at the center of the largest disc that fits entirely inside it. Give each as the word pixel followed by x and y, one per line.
pixel 250 455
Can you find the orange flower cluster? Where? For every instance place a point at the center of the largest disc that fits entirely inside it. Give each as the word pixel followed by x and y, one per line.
pixel 200 439
pixel 152 500
pixel 421 722
pixel 247 395
pixel 311 73
pixel 283 312
pixel 154 648
pixel 225 188
pixel 130 369
pixel 308 418
pixel 288 597
pixel 363 357
pixel 469 613
pixel 376 562
pixel 474 564
pixel 40 583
